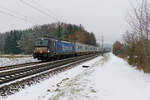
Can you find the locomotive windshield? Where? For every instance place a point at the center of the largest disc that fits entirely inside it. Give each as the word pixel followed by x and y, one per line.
pixel 41 43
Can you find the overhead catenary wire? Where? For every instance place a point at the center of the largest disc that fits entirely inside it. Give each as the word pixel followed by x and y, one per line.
pixel 49 11
pixel 12 15
pixel 20 16
pixel 15 14
pixel 38 9
pixel 10 10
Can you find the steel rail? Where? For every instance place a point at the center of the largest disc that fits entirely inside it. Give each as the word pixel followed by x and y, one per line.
pixel 17 66
pixel 14 86
pixel 11 75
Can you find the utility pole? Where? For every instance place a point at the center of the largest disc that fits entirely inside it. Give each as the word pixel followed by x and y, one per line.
pixel 102 47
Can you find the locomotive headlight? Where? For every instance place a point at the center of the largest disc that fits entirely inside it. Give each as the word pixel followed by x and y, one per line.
pixel 48 51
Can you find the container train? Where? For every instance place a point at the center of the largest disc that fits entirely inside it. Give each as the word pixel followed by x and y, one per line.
pixel 46 49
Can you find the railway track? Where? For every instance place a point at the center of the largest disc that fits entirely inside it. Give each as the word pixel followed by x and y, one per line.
pixel 8 77
pixel 17 65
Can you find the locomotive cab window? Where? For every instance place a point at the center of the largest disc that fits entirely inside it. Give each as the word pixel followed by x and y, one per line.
pixel 41 43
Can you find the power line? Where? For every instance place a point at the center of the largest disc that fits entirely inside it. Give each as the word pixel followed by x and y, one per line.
pixel 58 17
pixel 12 15
pixel 10 10
pixel 48 10
pixel 37 9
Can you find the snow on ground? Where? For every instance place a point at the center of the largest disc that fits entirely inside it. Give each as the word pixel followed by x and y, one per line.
pixel 14 61
pixel 108 78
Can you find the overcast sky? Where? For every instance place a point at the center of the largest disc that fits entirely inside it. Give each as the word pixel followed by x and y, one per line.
pixel 107 17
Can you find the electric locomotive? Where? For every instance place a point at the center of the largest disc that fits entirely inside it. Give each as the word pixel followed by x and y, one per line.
pixel 50 48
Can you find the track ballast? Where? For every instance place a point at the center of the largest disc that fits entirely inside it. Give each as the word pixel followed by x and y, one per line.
pixel 12 77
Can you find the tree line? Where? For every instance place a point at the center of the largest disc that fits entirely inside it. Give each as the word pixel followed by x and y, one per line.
pixel 22 41
pixel 137 39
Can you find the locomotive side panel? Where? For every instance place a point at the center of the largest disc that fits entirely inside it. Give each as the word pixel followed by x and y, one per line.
pixel 64 48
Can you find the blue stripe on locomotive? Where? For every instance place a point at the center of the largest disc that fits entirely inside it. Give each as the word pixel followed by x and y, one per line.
pixel 63 47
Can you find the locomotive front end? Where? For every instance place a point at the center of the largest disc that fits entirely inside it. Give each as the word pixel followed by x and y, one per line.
pixel 41 50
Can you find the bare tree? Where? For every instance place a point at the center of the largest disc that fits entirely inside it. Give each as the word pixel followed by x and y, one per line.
pixel 137 38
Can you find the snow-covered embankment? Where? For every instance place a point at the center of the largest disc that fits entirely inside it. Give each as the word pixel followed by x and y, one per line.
pixel 14 61
pixel 109 78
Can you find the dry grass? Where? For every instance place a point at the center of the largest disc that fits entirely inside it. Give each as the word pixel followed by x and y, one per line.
pixel 124 57
pixel 15 56
pixel 136 64
pixel 105 58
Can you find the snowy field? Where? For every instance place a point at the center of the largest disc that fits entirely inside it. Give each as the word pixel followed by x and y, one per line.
pixel 14 61
pixel 108 78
